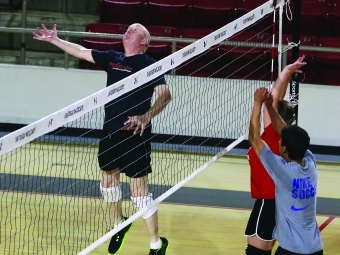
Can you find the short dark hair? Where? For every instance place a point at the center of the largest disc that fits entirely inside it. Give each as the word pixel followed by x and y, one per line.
pixel 296 140
pixel 286 111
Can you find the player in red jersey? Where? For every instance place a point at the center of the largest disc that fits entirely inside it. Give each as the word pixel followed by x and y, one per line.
pixel 261 222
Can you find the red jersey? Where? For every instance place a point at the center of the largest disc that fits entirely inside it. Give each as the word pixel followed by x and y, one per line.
pixel 262 186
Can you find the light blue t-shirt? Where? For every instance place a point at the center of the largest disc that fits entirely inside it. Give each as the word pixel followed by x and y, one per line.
pixel 296 227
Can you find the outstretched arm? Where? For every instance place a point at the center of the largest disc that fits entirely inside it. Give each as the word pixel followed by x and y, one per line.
pixel 280 86
pixel 73 49
pixel 255 125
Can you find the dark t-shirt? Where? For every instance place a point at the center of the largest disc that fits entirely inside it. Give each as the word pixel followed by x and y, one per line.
pixel 135 102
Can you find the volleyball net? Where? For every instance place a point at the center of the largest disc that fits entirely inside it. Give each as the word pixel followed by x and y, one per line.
pixel 50 179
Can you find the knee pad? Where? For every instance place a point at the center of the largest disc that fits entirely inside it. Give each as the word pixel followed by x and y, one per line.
pixel 251 250
pixel 141 202
pixel 112 194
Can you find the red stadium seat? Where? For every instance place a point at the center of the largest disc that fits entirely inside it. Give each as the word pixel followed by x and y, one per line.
pixel 102 43
pixel 334 19
pixel 264 25
pixel 241 62
pixel 213 14
pixel 125 12
pixel 249 5
pixel 169 13
pixel 173 2
pixel 164 31
pixel 314 18
pixel 328 62
pixel 108 28
pixel 194 33
pixel 198 66
pixel 159 50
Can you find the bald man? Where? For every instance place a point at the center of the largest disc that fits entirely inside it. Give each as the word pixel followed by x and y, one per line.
pixel 125 140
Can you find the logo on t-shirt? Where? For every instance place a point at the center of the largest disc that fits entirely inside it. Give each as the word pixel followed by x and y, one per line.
pixel 296 209
pixel 302 189
pixel 120 67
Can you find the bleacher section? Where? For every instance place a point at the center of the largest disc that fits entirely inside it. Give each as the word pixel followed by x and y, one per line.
pixel 320 22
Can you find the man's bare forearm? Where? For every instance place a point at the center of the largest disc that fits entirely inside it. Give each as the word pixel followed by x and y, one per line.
pixel 71 48
pixel 255 125
pixel 161 102
pixel 255 128
pixel 281 84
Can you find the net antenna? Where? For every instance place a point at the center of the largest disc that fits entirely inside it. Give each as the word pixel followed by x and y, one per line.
pixel 50 166
pixel 295 84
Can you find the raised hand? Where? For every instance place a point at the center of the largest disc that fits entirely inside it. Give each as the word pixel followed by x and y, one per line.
pixel 261 95
pixel 44 34
pixel 138 122
pixel 296 66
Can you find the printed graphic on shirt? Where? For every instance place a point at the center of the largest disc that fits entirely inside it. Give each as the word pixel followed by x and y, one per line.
pixel 120 67
pixel 302 189
pixel 296 209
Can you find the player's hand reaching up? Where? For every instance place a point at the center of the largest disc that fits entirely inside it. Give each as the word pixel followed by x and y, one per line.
pixel 43 34
pixel 261 95
pixel 296 66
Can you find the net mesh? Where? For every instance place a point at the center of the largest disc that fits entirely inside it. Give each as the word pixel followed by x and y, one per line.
pixel 50 196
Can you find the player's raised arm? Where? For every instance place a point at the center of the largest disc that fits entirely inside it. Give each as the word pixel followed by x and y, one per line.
pixel 277 121
pixel 254 138
pixel 280 86
pixel 76 50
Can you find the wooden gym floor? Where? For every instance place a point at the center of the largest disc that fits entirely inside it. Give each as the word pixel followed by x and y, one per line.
pixel 206 217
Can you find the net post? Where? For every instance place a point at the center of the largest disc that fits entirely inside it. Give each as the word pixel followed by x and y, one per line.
pixel 173 50
pixel 280 60
pixel 294 83
pixel 66 57
pixel 273 44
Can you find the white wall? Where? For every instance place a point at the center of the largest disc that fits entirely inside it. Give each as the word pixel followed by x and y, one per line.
pixel 30 93
pixel 319 113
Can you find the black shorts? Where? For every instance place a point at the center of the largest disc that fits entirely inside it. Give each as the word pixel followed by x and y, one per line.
pixel 281 251
pixel 262 220
pixel 126 151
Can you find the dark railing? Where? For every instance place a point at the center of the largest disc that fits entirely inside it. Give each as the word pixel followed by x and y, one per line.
pixel 173 40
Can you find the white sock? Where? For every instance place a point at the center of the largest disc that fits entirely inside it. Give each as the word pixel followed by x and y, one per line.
pixel 157 245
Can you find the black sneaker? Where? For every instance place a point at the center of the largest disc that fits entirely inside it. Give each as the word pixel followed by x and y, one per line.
pixel 162 250
pixel 117 240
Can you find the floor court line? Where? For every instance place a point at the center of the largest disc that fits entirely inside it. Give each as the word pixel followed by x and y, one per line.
pixel 326 223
